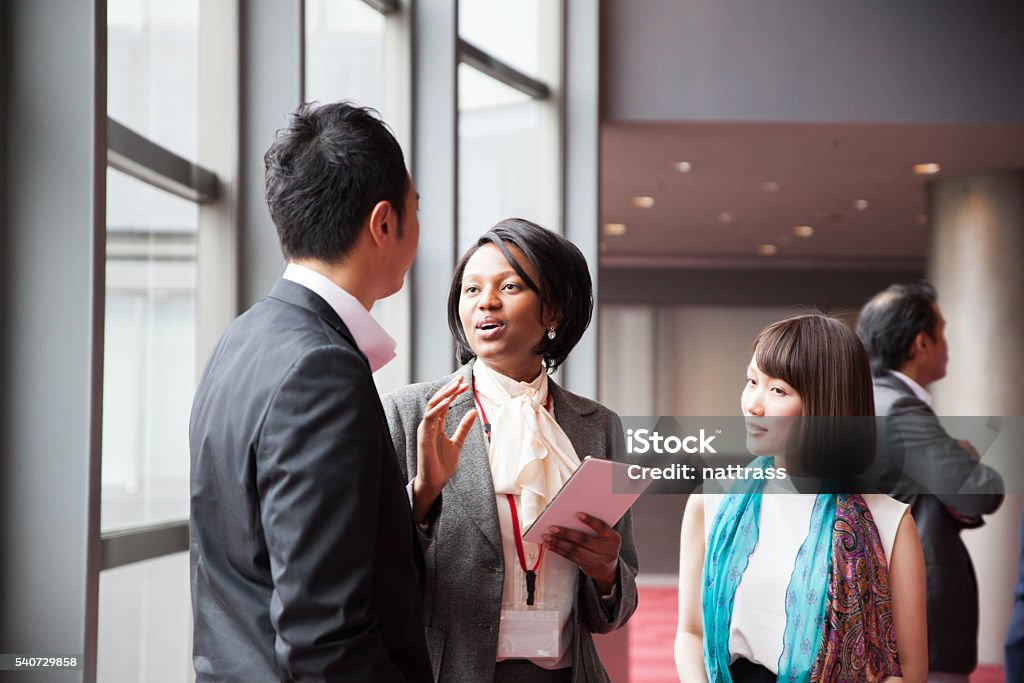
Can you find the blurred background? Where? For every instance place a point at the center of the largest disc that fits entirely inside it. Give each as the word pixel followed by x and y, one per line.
pixel 721 165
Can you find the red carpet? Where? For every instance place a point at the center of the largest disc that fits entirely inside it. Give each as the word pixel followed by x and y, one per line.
pixel 652 631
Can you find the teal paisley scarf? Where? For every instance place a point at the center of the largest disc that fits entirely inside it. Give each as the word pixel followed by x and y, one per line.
pixel 838 607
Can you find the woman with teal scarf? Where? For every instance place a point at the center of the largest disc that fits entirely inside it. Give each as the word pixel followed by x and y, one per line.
pixel 815 587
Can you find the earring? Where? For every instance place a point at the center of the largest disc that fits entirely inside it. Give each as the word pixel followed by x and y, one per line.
pixel 551 332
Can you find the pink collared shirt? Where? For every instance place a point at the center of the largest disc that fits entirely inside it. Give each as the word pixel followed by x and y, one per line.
pixel 375 343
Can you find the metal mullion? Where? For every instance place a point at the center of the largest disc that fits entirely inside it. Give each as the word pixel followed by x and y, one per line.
pixel 384 6
pixel 118 548
pixel 142 158
pixel 489 65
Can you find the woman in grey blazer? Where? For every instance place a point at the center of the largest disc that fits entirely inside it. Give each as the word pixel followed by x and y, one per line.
pixel 519 301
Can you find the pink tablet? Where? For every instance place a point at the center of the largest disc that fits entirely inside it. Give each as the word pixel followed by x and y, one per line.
pixel 589 490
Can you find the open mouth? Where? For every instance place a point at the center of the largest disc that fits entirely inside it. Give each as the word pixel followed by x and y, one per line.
pixel 488 324
pixel 490 329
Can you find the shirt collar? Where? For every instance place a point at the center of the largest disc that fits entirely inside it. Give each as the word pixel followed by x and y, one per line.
pixel 918 390
pixel 372 339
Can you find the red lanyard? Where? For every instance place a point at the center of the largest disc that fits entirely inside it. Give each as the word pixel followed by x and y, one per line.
pixel 531 574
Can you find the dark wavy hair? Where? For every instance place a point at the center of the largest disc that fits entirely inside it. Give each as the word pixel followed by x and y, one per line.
pixel 564 284
pixel 324 174
pixel 824 361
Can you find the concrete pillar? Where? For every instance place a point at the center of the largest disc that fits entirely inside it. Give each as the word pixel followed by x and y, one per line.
pixel 975 264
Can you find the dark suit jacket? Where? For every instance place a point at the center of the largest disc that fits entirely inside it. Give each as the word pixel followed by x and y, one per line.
pixel 1014 647
pixel 465 564
pixel 916 454
pixel 305 563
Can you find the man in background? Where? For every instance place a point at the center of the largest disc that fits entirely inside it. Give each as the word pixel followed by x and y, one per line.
pixel 305 562
pixel 1014 646
pixel 918 462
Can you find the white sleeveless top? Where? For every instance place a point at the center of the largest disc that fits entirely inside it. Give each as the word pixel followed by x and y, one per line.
pixel 759 613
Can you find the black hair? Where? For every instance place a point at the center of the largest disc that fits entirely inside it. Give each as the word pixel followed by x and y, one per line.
pixel 324 174
pixel 891 320
pixel 825 363
pixel 564 284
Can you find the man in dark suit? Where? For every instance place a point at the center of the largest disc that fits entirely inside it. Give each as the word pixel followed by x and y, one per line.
pixel 918 462
pixel 305 561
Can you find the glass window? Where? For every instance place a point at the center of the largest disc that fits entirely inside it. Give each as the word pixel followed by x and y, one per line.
pixel 510 30
pixel 350 55
pixel 509 143
pixel 344 52
pixel 152 70
pixel 149 353
pixel 507 157
pixel 145 622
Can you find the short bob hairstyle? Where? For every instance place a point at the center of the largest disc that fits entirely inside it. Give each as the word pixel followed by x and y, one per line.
pixel 825 362
pixel 565 285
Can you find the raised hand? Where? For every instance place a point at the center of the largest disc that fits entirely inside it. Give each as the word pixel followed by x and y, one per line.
pixel 437 454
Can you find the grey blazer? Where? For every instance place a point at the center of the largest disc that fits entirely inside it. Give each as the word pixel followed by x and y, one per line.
pixel 916 454
pixel 462 601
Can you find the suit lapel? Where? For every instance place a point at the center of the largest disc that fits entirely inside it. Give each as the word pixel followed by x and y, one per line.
pixel 472 480
pixel 570 415
pixel 895 383
pixel 899 386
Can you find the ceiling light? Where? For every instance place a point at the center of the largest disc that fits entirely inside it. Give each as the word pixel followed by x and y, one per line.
pixel 802 231
pixel 684 166
pixel 927 169
pixel 861 205
pixel 726 217
pixel 767 249
pixel 614 229
pixel 643 202
pixel 770 186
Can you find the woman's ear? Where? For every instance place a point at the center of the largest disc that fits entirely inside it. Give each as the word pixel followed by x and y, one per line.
pixel 552 315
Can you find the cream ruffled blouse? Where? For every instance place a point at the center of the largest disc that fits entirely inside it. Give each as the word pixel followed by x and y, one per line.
pixel 531 458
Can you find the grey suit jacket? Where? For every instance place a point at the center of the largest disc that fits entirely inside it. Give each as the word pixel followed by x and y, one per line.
pixel 916 454
pixel 462 603
pixel 304 559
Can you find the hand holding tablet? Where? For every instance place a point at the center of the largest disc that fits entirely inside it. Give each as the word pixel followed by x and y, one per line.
pixel 589 490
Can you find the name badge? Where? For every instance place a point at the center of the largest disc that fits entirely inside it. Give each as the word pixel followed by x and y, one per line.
pixel 529 633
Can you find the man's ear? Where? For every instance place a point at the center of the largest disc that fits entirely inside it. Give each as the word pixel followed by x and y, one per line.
pixel 919 345
pixel 383 223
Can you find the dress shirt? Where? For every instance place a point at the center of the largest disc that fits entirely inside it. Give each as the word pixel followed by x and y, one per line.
pixel 915 387
pixel 556 576
pixel 372 339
